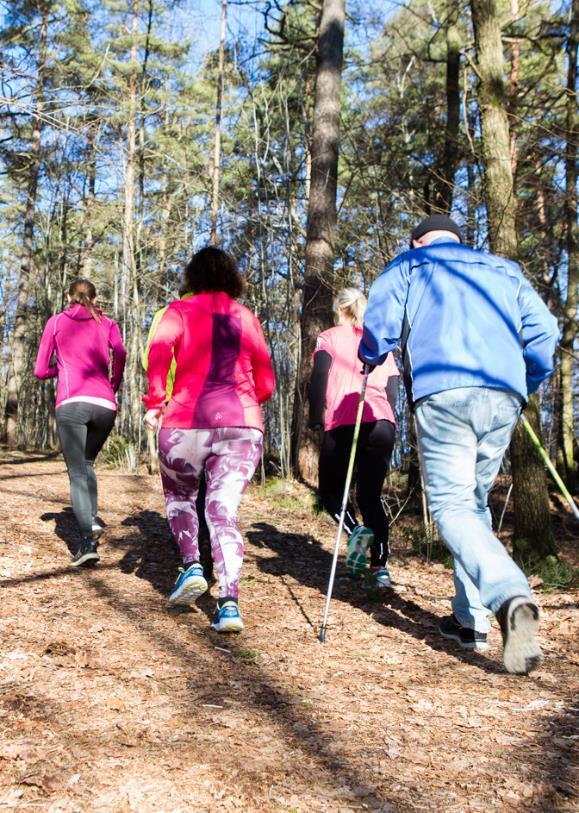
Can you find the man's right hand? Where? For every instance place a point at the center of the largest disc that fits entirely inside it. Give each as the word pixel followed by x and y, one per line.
pixel 366 366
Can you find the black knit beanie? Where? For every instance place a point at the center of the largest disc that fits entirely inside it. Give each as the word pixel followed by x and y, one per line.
pixel 435 223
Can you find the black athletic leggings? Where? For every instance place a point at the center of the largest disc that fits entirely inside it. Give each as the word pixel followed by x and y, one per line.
pixel 375 444
pixel 83 429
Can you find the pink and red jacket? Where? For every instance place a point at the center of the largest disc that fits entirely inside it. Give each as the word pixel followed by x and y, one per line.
pixel 345 377
pixel 224 370
pixel 77 349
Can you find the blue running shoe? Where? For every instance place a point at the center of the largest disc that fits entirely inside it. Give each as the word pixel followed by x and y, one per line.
pixel 190 584
pixel 227 618
pixel 359 542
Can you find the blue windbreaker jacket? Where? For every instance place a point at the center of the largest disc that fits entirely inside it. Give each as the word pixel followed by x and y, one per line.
pixel 463 318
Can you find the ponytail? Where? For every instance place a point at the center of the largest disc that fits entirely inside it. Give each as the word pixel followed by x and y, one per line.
pixel 351 302
pixel 83 292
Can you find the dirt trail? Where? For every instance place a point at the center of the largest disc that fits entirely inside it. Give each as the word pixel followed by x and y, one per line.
pixel 111 701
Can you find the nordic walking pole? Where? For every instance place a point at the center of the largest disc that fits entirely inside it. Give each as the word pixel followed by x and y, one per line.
pixel 553 471
pixel 344 502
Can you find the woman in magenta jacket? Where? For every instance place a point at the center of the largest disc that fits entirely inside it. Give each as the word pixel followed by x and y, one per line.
pixel 211 423
pixel 76 348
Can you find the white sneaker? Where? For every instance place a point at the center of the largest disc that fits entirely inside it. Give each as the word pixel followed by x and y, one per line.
pixel 518 618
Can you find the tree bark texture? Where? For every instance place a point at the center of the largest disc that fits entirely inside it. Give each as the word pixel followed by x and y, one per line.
pixel 514 87
pixel 532 517
pixel 533 538
pixel 130 405
pixel 320 251
pixel 444 182
pixel 567 440
pixel 496 147
pixel 19 350
pixel 216 168
pixel 129 181
pixel 86 258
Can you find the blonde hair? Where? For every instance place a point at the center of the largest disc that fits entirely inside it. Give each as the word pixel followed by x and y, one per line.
pixel 352 303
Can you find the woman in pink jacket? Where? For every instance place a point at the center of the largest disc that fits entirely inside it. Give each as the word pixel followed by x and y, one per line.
pixel 212 422
pixel 334 395
pixel 76 348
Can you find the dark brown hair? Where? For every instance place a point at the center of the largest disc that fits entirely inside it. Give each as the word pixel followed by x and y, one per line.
pixel 83 292
pixel 212 269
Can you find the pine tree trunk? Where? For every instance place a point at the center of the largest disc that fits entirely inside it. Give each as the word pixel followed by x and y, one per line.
pixel 530 497
pixel 567 441
pixel 19 354
pixel 514 86
pixel 320 250
pixel 129 181
pixel 444 183
pixel 529 479
pixel 86 261
pixel 496 147
pixel 127 304
pixel 216 166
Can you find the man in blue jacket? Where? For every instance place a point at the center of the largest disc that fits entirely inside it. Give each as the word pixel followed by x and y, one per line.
pixel 476 341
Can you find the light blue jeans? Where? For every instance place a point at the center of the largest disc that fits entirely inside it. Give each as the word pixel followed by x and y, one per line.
pixel 462 436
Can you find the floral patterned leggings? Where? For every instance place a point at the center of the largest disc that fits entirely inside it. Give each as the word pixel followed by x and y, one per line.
pixel 229 456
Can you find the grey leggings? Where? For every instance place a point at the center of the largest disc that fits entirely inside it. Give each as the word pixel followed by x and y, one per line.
pixel 83 429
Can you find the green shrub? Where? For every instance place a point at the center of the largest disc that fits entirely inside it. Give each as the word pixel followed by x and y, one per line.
pixel 554 573
pixel 429 547
pixel 118 453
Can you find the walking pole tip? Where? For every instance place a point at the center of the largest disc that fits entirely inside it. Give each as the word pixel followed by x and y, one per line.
pixel 322 635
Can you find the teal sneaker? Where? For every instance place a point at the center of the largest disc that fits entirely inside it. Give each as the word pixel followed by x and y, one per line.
pixel 359 542
pixel 190 584
pixel 227 618
pixel 377 579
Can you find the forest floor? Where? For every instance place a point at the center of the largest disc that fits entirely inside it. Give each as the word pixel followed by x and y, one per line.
pixel 112 701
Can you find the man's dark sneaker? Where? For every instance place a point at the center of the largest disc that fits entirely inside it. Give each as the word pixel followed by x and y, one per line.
pixel 518 618
pixel 87 553
pixel 468 638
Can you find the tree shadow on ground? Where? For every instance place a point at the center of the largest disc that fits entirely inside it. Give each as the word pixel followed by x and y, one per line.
pixel 152 554
pixel 219 660
pixel 150 550
pixel 56 573
pixel 559 762
pixel 303 558
pixel 28 476
pixel 40 458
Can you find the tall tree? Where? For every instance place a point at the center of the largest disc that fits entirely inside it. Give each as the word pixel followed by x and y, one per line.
pixel 216 164
pixel 533 534
pixel 37 15
pixel 567 462
pixel 444 181
pixel 320 241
